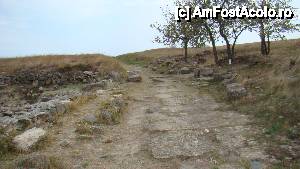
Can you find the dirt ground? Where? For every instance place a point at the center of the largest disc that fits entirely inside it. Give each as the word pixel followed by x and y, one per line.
pixel 168 125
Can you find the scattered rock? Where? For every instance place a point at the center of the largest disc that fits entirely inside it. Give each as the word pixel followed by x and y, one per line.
pixel 172 71
pixel 185 70
pixel 90 118
pixel 256 164
pixel 149 111
pixel 154 68
pixel 134 76
pixel 100 92
pixel 25 141
pixel 203 72
pixel 108 141
pixel 42 117
pixel 41 89
pixel 235 91
pixel 45 99
pixel 65 143
pixel 229 75
pixel 208 79
pixel 89 73
pixel 228 81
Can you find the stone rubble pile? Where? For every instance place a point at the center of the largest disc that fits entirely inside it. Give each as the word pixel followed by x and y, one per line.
pixel 233 89
pixel 47 78
pixel 171 65
pixel 34 114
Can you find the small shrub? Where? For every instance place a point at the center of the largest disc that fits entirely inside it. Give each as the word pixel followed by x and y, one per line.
pixel 6 145
pixel 77 102
pixel 111 111
pixel 83 128
pixel 275 128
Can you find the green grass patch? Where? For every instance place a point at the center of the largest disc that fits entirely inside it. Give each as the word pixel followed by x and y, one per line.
pixel 134 59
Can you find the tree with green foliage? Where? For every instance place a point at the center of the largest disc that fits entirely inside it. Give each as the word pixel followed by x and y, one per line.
pixel 206 27
pixel 273 29
pixel 173 32
pixel 231 29
pixel 198 32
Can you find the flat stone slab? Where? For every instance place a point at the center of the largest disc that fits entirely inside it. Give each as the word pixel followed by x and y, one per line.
pixel 25 141
pixel 187 143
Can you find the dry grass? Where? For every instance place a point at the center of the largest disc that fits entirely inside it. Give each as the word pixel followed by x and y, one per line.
pixel 84 128
pixel 38 161
pixel 97 62
pixel 288 48
pixel 115 111
pixel 6 145
pixel 143 58
pixel 79 101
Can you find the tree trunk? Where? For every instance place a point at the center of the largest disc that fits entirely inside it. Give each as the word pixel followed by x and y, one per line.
pixel 213 43
pixel 229 53
pixel 263 46
pixel 228 46
pixel 233 52
pixel 215 51
pixel 269 45
pixel 185 51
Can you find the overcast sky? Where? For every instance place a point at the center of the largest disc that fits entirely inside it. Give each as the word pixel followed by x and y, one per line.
pixel 112 27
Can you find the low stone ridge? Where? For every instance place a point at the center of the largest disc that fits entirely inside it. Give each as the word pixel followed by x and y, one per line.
pixel 48 77
pixel 171 65
pixel 25 141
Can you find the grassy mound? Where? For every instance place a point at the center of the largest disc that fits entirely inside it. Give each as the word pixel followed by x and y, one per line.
pixel 93 62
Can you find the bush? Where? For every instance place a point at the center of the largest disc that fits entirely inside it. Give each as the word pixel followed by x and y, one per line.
pixel 6 145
